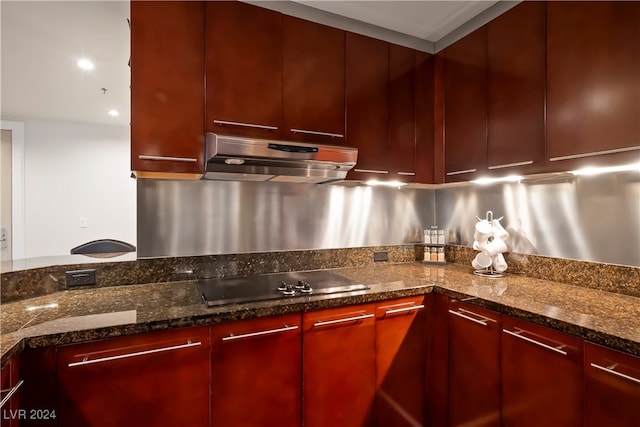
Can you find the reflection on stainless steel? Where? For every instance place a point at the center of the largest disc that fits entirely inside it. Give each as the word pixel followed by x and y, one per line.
pixel 223 291
pixel 593 218
pixel 182 218
pixel 587 218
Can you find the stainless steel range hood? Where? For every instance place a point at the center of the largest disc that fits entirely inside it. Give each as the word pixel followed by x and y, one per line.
pixel 232 158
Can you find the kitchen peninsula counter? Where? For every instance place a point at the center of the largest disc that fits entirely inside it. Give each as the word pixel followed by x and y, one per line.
pixel 78 315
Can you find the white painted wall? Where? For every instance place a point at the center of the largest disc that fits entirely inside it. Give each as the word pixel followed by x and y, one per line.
pixel 73 171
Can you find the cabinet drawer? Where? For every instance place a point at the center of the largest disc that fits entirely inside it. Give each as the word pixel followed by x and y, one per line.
pixel 401 362
pixel 10 385
pixel 612 387
pixel 541 368
pixel 267 327
pixel 474 365
pixel 410 306
pixel 339 367
pixel 159 379
pixel 257 364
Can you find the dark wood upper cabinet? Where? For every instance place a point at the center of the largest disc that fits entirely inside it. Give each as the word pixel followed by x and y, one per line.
pixel 243 69
pixel 465 106
pixel 402 135
pixel 516 90
pixel 382 92
pixel 313 82
pixel 541 376
pixel 424 117
pixel 367 89
pixel 593 83
pixel 612 387
pixel 256 370
pixel 167 90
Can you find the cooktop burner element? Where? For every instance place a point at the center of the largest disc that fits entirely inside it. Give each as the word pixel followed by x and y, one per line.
pixel 218 292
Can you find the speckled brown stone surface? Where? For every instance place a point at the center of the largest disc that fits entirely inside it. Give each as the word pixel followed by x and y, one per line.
pixel 86 314
pixel 605 277
pixel 34 282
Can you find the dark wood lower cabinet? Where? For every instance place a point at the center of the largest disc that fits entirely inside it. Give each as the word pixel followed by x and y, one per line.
pixel 339 367
pixel 159 379
pixel 10 384
pixel 400 362
pixel 256 372
pixel 541 376
pixel 612 387
pixel 474 366
pixel 414 361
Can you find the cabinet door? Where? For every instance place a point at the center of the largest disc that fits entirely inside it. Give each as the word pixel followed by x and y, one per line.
pixel 38 368
pixel 244 69
pixel 424 116
pixel 313 82
pixel 516 89
pixel 593 99
pixel 400 362
pixel 465 115
pixel 612 387
pixel 256 372
pixel 474 365
pixel 339 367
pixel 402 136
pixel 167 91
pixel 541 376
pixel 367 105
pixel 159 379
pixel 10 385
pixel 437 360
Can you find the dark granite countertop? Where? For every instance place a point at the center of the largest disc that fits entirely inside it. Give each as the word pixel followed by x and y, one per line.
pixel 80 315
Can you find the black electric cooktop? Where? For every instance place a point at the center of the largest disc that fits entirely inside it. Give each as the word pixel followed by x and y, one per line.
pixel 219 292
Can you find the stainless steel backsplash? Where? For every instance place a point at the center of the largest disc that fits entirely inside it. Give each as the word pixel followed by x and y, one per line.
pixel 587 218
pixel 179 218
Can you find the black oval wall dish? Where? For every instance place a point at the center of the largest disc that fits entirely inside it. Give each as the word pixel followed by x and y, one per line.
pixel 103 248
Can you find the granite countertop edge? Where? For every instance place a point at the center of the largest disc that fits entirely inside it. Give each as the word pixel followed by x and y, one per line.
pixel 386 282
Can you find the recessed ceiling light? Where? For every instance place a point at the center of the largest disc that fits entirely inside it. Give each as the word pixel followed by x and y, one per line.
pixel 113 113
pixel 85 64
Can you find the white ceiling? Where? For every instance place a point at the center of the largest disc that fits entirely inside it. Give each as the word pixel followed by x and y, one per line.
pixel 427 20
pixel 42 40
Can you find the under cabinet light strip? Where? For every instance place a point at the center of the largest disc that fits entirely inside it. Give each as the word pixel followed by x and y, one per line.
pixel 169 159
pixel 370 171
